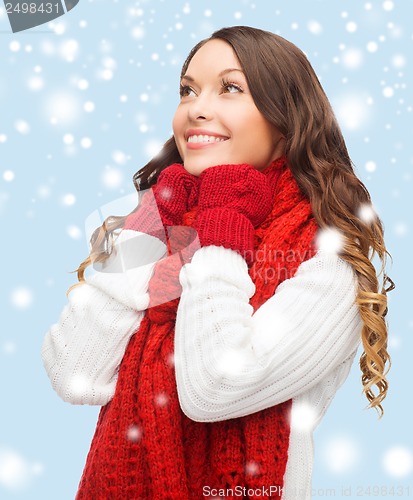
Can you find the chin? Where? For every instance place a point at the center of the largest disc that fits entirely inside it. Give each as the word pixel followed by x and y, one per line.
pixel 194 167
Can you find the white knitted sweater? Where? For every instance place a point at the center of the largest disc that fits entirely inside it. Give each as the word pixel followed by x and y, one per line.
pixel 229 362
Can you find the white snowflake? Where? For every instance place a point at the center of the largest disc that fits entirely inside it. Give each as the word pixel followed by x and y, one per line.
pixel 388 92
pixel 82 84
pixel 9 347
pixel 137 32
pixel 112 178
pixel 341 454
pixel 153 147
pixel 86 142
pixel 68 199
pixel 43 192
pixel 35 83
pixel 62 107
pixel 8 175
pixel 352 110
pixel 74 232
pixel 399 61
pixel 351 27
pixel 367 213
pixel 22 127
pixel 68 50
pixel 14 46
pixel 252 468
pixel 303 417
pixel 352 58
pixel 398 461
pixel 314 27
pixel 119 157
pixel 329 240
pixel 388 5
pixel 165 193
pixel 47 47
pixel 21 297
pixel 58 27
pixel 68 139
pixel 134 433
pixel 16 472
pixel 372 46
pixel 78 384
pixel 105 74
pixel 400 228
pixel 89 106
pixel 161 399
pixel 231 362
pixel 395 342
pixel 171 360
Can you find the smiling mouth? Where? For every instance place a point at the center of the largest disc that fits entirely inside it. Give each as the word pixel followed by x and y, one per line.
pixel 205 139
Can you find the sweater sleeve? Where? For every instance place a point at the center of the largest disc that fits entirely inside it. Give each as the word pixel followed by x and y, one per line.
pixel 83 350
pixel 230 362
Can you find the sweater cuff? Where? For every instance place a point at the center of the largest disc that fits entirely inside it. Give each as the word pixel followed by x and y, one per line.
pixel 126 273
pixel 225 227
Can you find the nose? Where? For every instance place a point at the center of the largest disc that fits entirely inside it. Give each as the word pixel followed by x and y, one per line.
pixel 201 108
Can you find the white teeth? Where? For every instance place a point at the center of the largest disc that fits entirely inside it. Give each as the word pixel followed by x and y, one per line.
pixel 205 138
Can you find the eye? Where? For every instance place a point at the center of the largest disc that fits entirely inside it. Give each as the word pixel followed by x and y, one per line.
pixel 231 85
pixel 184 90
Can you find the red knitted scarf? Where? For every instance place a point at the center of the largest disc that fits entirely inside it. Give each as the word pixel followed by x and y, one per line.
pixel 144 446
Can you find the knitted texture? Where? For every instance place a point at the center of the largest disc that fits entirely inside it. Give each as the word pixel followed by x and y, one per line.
pixel 233 200
pixel 144 446
pixel 175 192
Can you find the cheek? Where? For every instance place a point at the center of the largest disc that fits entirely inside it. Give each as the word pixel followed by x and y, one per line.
pixel 177 129
pixel 175 123
pixel 263 131
pixel 255 126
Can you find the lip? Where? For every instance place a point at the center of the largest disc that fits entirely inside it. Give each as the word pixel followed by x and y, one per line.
pixel 202 145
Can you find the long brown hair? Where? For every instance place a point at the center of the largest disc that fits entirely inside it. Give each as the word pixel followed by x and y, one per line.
pixel 289 95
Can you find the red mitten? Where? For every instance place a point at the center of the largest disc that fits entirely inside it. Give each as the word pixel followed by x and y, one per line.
pixel 233 200
pixel 175 193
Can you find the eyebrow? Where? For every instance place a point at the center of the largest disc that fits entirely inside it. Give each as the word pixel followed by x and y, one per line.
pixel 224 72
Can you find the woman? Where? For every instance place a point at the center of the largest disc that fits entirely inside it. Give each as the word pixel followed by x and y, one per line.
pixel 217 353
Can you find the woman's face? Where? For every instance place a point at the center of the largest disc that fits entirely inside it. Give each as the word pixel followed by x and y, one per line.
pixel 217 121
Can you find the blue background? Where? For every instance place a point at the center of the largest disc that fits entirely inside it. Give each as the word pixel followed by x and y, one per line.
pixel 60 161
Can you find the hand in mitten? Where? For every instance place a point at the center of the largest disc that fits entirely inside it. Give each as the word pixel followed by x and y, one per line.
pixel 160 214
pixel 233 200
pixel 175 192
